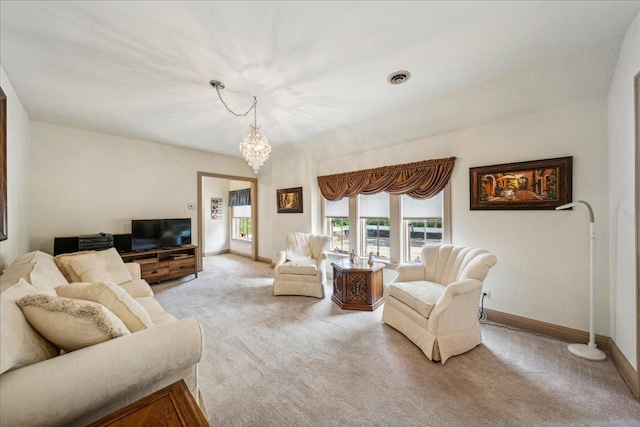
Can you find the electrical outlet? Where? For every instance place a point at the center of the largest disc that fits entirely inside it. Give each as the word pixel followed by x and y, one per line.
pixel 487 294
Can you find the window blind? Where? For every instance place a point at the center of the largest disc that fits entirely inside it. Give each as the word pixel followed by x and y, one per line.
pixel 337 208
pixel 374 206
pixel 422 208
pixel 243 211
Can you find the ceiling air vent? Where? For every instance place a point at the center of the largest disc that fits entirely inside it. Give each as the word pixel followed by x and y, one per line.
pixel 399 77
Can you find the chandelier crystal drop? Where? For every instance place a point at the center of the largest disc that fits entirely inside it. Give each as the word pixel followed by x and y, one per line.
pixel 254 147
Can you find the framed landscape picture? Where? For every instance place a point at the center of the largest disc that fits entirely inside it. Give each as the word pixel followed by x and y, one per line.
pixel 289 200
pixel 538 184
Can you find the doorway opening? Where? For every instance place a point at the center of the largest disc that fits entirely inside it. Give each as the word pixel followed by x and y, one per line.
pixel 217 222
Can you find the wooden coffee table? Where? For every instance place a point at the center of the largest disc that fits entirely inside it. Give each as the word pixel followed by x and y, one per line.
pixel 173 406
pixel 357 286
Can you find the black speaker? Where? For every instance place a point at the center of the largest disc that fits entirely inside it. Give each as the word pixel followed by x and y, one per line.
pixel 65 245
pixel 122 242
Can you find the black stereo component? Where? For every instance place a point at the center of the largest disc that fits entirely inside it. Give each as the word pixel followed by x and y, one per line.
pixel 92 242
pixel 122 242
pixel 65 245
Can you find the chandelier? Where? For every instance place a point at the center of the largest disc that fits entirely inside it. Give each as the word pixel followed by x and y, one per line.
pixel 254 147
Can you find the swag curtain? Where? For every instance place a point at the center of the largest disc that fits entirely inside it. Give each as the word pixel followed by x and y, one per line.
pixel 419 180
pixel 240 197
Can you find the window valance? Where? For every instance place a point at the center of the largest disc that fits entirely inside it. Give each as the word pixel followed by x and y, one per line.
pixel 240 197
pixel 419 180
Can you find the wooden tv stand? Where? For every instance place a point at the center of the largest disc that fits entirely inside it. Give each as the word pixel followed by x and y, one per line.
pixel 157 265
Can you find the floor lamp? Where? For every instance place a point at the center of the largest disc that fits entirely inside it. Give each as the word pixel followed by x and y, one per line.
pixel 588 351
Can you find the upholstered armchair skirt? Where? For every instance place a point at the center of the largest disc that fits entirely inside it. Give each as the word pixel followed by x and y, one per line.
pixel 435 304
pixel 300 268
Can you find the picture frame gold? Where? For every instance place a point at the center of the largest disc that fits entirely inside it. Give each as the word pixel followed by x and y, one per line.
pixel 531 185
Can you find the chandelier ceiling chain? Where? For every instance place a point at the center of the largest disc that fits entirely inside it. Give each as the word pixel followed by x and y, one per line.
pixel 255 147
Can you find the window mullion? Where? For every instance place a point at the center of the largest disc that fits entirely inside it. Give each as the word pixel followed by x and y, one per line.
pixel 396 235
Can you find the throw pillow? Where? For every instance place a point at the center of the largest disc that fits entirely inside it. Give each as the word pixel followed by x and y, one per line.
pixel 71 324
pixel 63 261
pixel 21 344
pixel 112 296
pixel 103 266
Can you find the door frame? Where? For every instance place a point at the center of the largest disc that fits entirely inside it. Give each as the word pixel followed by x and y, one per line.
pixel 254 212
pixel 636 92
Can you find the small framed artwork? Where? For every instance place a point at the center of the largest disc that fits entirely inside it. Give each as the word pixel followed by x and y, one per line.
pixel 538 184
pixel 289 200
pixel 216 208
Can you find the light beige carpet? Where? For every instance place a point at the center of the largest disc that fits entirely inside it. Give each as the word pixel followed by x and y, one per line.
pixel 300 361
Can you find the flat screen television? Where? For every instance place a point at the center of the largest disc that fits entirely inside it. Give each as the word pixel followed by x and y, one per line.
pixel 159 233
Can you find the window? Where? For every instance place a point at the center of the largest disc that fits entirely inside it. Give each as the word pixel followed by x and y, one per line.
pixel 241 226
pixel 395 228
pixel 374 216
pixel 337 224
pixel 422 220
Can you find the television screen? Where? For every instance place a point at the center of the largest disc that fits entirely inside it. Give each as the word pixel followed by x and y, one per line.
pixel 159 233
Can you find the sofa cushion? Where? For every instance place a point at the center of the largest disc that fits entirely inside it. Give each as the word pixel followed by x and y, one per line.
pixel 420 295
pixel 71 324
pixel 138 288
pixel 46 276
pixel 152 306
pixel 307 267
pixel 13 274
pixel 63 261
pixel 112 296
pixel 42 274
pixel 161 319
pixel 33 257
pixel 101 266
pixel 21 345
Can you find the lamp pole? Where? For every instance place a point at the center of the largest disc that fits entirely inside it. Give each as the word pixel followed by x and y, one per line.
pixel 588 351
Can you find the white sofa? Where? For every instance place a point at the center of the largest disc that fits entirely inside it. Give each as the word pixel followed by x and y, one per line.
pixel 435 303
pixel 80 386
pixel 300 268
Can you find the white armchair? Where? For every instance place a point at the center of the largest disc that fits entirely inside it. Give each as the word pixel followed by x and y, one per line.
pixel 300 267
pixel 435 303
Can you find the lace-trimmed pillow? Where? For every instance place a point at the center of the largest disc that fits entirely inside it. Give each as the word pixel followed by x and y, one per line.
pixel 102 266
pixel 71 324
pixel 112 296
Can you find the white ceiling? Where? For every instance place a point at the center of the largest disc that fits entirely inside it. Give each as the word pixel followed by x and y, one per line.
pixel 142 69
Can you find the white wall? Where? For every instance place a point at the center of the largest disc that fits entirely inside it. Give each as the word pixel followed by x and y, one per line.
pixel 287 172
pixel 18 176
pixel 85 182
pixel 240 247
pixel 622 251
pixel 542 271
pixel 216 231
